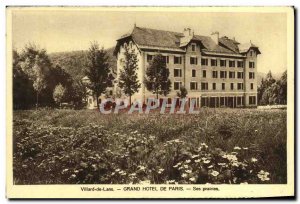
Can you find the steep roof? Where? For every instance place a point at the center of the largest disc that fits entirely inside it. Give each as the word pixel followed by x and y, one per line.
pixel 230 44
pixel 211 46
pixel 168 40
pixel 246 46
pixel 156 38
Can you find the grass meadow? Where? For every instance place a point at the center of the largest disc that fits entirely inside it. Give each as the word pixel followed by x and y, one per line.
pixel 231 146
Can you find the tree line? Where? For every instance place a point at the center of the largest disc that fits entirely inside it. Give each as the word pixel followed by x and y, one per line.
pixel 38 82
pixel 272 91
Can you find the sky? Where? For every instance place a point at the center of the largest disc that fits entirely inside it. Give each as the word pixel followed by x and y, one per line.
pixel 69 30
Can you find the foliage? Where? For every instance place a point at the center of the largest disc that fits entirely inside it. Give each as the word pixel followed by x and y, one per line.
pixel 23 92
pixel 182 92
pixel 217 146
pixel 273 91
pixel 128 80
pixel 59 93
pixel 35 64
pixel 157 77
pixel 98 70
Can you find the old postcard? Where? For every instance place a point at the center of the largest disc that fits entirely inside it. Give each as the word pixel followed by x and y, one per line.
pixel 150 102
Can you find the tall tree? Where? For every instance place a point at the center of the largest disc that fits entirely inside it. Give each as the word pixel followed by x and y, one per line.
pixel 128 80
pixel 283 88
pixel 36 64
pixel 157 76
pixel 269 79
pixel 98 70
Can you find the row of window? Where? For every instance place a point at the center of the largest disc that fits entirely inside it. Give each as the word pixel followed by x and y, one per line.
pixel 223 74
pixel 222 101
pixel 204 86
pixel 204 61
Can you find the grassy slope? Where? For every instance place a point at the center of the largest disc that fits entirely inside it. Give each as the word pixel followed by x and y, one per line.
pixel 262 131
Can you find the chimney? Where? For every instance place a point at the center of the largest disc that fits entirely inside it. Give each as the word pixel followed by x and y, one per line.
pixel 187 32
pixel 215 37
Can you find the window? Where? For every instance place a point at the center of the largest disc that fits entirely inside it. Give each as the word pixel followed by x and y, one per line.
pixel 214 86
pixel 251 75
pixel 90 101
pixel 204 62
pixel 240 64
pixel 204 73
pixel 223 74
pixel 193 86
pixel 193 47
pixel 193 73
pixel 252 100
pixel 251 53
pixel 222 101
pixel 231 86
pixel 149 58
pixel 251 65
pixel 193 60
pixel 240 86
pixel 223 63
pixel 251 85
pixel 166 59
pixel 240 75
pixel 214 74
pixel 223 86
pixel 177 73
pixel 213 62
pixel 204 101
pixel 204 86
pixel 177 85
pixel 231 63
pixel 231 75
pixel 240 101
pixel 177 60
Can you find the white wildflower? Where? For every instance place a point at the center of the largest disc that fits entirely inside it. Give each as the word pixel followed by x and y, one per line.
pixel 188 171
pixel 183 175
pixel 253 160
pixel 215 173
pixel 192 179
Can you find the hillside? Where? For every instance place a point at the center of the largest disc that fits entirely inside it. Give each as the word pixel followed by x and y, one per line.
pixel 74 62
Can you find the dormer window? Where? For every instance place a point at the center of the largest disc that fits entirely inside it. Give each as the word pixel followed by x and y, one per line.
pixel 193 47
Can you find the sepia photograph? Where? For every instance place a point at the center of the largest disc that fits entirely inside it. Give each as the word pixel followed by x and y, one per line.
pixel 157 100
